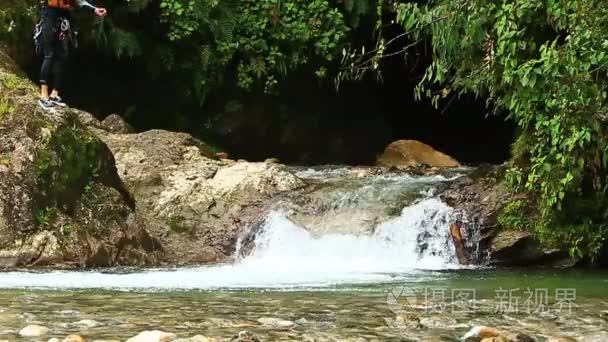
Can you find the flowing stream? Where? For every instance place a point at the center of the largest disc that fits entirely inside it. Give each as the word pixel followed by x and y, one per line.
pixel 341 266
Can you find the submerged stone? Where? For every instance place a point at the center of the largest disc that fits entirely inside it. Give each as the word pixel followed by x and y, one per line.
pixel 33 331
pixel 276 323
pixel 153 336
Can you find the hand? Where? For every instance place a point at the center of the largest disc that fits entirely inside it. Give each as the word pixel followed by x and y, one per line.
pixel 101 12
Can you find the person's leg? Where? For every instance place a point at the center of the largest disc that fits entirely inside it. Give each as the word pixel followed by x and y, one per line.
pixel 48 47
pixel 59 70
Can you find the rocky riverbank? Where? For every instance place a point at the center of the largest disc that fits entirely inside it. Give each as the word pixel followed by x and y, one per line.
pixel 75 191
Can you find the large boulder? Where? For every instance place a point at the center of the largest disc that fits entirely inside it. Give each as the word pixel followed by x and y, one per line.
pixel 478 199
pixel 515 247
pixel 407 153
pixel 61 199
pixel 195 204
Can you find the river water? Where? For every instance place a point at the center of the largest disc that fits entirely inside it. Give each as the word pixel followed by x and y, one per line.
pixel 348 269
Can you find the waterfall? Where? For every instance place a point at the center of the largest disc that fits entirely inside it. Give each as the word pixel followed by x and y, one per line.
pixel 418 239
pixel 288 256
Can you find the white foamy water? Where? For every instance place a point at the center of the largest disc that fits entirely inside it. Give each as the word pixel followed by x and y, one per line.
pixel 288 256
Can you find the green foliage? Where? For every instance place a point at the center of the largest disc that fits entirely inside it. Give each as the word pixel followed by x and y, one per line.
pixel 5 109
pixel 66 163
pixel 202 43
pixel 546 64
pixel 17 18
pixel 45 217
pixel 515 215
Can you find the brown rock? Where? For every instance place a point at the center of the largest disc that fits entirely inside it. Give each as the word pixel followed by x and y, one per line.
pixel 459 243
pixel 74 338
pixel 406 153
pixel 223 155
pixel 481 333
pixel 514 247
pixel 116 124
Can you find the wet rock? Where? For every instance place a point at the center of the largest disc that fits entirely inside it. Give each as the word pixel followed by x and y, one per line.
pixel 405 153
pixel 459 244
pixel 194 204
pixel 74 338
pixel 523 338
pixel 302 321
pixel 33 331
pixel 86 323
pixel 245 336
pixel 559 339
pixel 272 161
pixel 116 124
pixel 438 322
pixel 480 333
pixel 54 339
pixel 48 161
pixel 42 248
pixel 222 155
pixel 276 323
pixel 514 247
pixel 496 339
pixel 402 322
pixel 153 336
pixel 197 338
pixel 601 336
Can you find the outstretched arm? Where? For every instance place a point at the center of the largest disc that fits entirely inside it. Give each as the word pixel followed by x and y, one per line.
pixel 98 10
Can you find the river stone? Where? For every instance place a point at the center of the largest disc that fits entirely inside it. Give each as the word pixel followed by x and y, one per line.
pixel 276 323
pixel 73 338
pixel 153 336
pixel 496 339
pixel 438 322
pixel 406 153
pixel 601 336
pixel 197 338
pixel 480 333
pixel 33 331
pixel 86 323
pixel 245 336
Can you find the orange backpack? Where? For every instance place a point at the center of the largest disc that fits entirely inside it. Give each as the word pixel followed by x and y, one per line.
pixel 63 4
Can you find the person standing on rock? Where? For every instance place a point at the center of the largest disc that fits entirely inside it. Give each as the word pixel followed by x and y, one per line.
pixel 54 38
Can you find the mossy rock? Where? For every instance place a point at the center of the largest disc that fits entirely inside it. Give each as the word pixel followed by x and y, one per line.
pixel 58 178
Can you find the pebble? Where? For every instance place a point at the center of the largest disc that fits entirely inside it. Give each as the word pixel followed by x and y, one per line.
pixel 153 336
pixel 33 331
pixel 276 323
pixel 245 336
pixel 87 323
pixel 73 338
pixel 601 336
pixel 438 322
pixel 197 338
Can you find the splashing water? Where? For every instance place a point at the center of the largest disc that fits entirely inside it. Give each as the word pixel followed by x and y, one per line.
pixel 288 256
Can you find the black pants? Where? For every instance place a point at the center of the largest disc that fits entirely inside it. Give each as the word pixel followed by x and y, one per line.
pixel 55 52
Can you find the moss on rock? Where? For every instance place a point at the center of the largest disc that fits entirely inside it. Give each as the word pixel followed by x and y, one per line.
pixel 59 184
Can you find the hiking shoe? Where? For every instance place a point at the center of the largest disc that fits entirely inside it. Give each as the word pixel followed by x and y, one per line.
pixel 57 101
pixel 46 104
